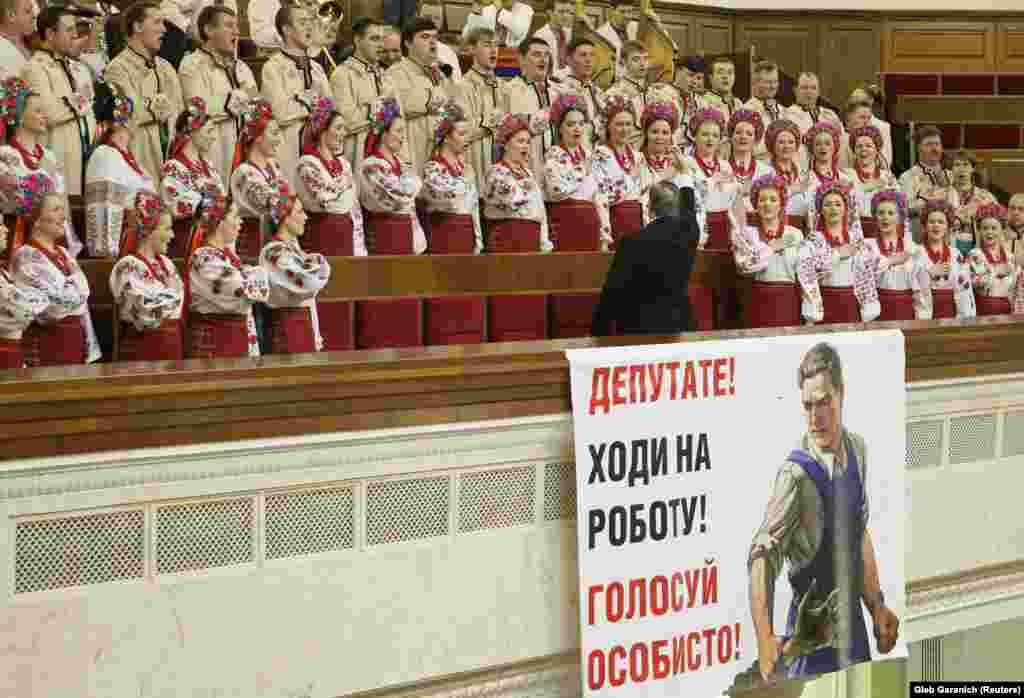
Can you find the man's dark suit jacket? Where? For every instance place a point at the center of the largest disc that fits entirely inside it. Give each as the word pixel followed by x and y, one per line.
pixel 646 288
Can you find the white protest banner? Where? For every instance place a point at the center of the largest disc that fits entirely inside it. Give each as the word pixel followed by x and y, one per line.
pixel 741 510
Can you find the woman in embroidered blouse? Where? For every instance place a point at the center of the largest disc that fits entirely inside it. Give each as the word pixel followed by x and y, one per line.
pixel 952 295
pixel 577 212
pixel 746 129
pixel 63 331
pixel 257 179
pixel 295 279
pixel 327 187
pixel 388 187
pixel 221 290
pixel 112 175
pixel 835 270
pixel 24 124
pixel 782 140
pixel 146 286
pixel 901 266
pixel 768 250
pixel 997 278
pixel 965 198
pixel 19 306
pixel 823 141
pixel 871 174
pixel 513 202
pixel 620 170
pixel 449 190
pixel 188 172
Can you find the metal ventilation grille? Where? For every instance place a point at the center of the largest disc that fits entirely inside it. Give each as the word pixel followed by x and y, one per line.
pixel 972 438
pixel 496 498
pixel 307 522
pixel 1013 434
pixel 199 535
pixel 400 510
pixel 559 491
pixel 79 550
pixel 931 659
pixel 924 444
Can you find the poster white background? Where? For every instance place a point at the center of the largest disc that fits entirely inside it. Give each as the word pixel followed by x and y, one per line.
pixel 750 434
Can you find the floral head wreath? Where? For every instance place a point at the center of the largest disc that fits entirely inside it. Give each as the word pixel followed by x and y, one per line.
pixel 255 117
pixel 281 207
pixel 869 131
pixel 383 113
pixel 747 116
pixel 323 112
pixel 28 198
pixel 772 181
pixel 142 221
pixel 615 105
pixel 510 126
pixel 196 116
pixel 943 206
pixel 823 127
pixel 834 187
pixel 993 210
pixel 897 197
pixel 704 116
pixel 776 129
pixel 14 94
pixel 450 114
pixel 660 111
pixel 565 103
pixel 110 106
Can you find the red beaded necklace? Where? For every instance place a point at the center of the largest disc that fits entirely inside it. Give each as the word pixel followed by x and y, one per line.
pixel 163 274
pixel 657 164
pixel 576 155
pixel 999 259
pixel 627 160
pixel 890 248
pixel 456 169
pixel 32 159
pixel 790 177
pixel 743 173
pixel 768 235
pixel 518 171
pixel 57 258
pixel 941 257
pixel 864 176
pixel 197 169
pixel 128 157
pixel 708 170
pixel 843 235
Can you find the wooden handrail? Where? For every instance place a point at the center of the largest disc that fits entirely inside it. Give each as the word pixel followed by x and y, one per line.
pixel 93 409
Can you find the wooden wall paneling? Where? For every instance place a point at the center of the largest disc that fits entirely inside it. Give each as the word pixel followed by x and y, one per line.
pixel 849 56
pixel 955 108
pixel 680 28
pixel 939 47
pixel 713 35
pixel 1010 47
pixel 792 42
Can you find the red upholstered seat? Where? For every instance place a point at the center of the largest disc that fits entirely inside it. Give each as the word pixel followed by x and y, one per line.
pixel 389 323
pixel 459 320
pixel 571 314
pixel 337 324
pixel 517 318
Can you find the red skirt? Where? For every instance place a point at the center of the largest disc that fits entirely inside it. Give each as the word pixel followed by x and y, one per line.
pixel 575 226
pixel 457 320
pixel 840 305
pixel 163 343
pixel 896 305
pixel 390 233
pixel 870 228
pixel 216 336
pixel 291 331
pixel 513 235
pixel 773 304
pixel 452 233
pixel 329 234
pixel 719 229
pixel 992 305
pixel 337 324
pixel 250 238
pixel 943 305
pixel 179 242
pixel 798 222
pixel 11 355
pixel 627 218
pixel 58 343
